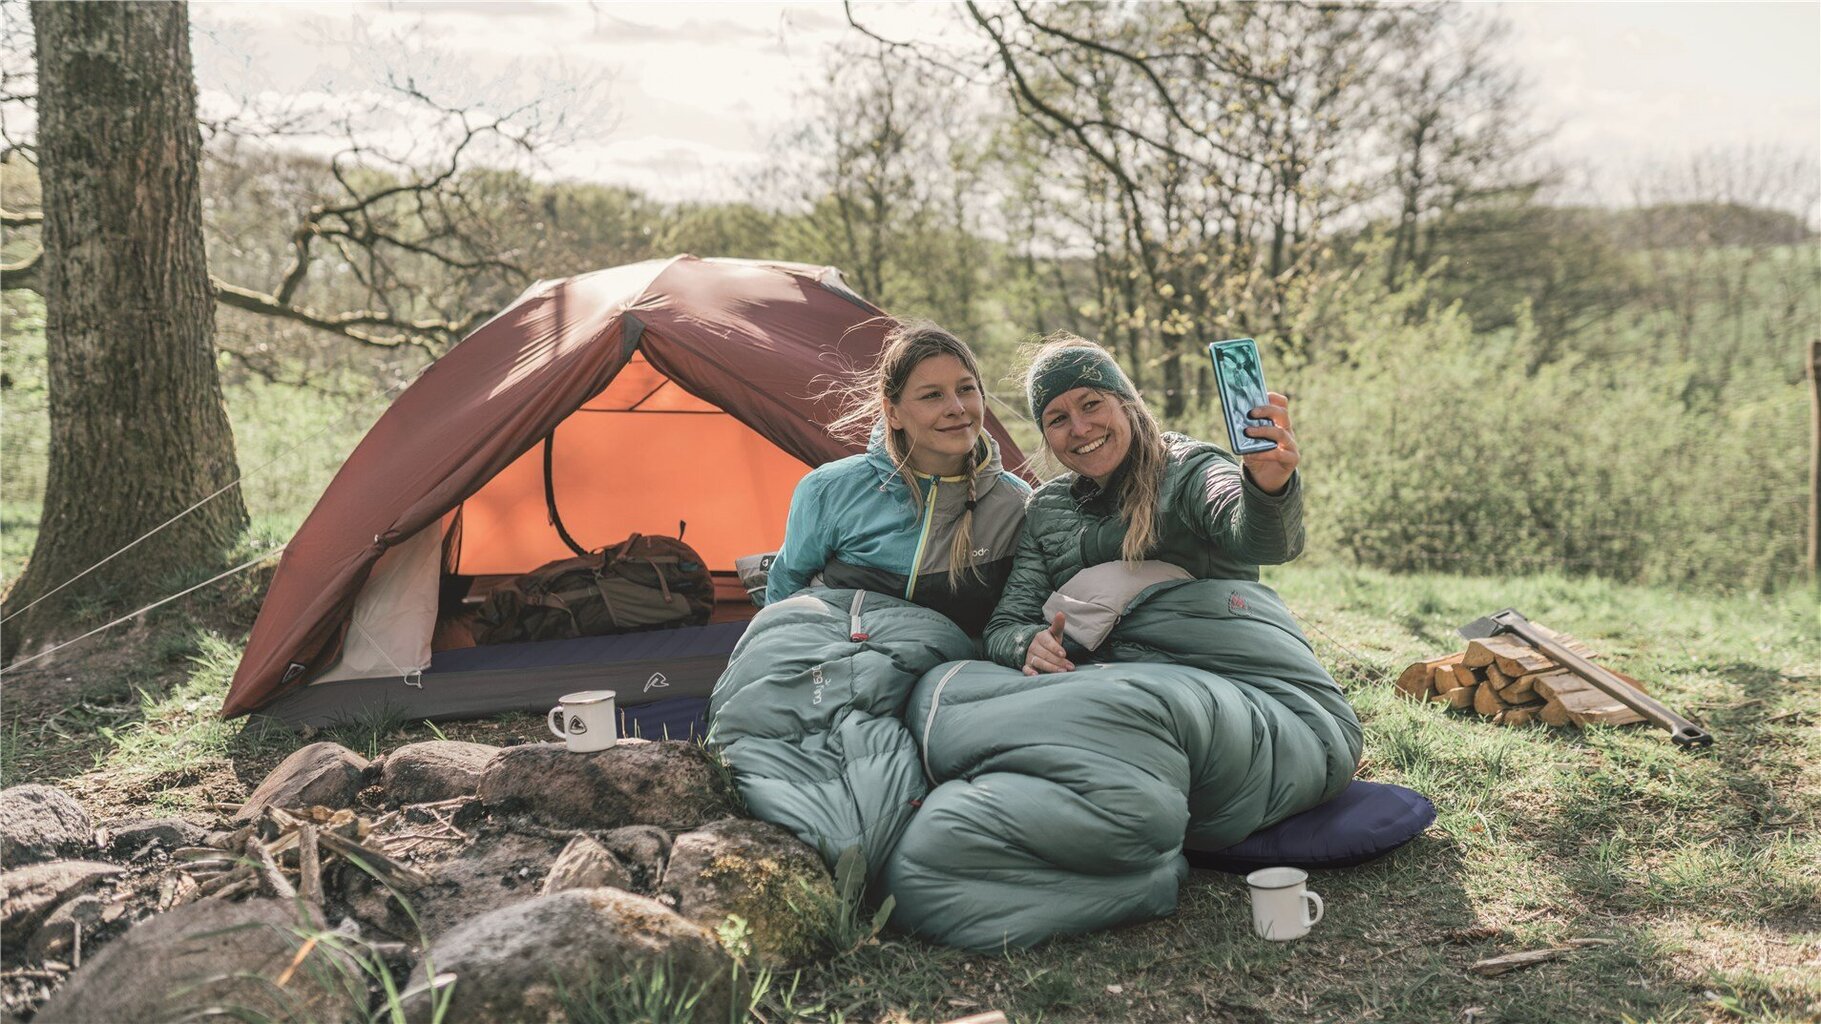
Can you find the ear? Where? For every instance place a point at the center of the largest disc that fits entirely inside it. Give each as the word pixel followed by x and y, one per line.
pixel 890 412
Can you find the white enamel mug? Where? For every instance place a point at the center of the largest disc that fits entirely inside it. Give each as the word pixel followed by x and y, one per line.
pixel 1282 908
pixel 586 720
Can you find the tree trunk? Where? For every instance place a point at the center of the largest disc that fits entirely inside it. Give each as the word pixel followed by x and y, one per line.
pixel 138 432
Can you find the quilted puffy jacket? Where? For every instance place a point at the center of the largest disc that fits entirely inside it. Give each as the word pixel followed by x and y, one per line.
pixel 856 523
pixel 1216 523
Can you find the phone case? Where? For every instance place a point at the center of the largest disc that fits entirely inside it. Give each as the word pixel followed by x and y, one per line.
pixel 1240 377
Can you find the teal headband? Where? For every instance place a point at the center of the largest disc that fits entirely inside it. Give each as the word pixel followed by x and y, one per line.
pixel 1065 369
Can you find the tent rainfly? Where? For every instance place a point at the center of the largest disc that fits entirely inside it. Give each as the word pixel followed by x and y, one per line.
pixel 623 401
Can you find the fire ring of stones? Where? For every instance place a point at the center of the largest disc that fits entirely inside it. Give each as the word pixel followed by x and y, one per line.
pixel 503 881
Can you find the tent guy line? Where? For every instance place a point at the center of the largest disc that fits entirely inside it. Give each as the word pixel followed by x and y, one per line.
pixel 396 386
pixel 242 567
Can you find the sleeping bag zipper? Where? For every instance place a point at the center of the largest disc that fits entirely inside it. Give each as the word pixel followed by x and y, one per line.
pixel 929 722
pixel 855 633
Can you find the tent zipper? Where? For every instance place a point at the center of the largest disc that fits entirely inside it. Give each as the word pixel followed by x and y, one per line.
pixel 929 516
pixel 929 722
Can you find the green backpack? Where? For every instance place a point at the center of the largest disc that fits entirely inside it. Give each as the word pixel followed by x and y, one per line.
pixel 641 583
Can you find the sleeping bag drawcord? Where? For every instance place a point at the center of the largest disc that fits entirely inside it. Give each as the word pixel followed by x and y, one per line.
pixel 853 616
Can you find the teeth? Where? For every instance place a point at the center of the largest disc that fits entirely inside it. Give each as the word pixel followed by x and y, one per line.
pixel 1087 448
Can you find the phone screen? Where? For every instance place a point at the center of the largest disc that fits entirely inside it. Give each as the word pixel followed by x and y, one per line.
pixel 1240 377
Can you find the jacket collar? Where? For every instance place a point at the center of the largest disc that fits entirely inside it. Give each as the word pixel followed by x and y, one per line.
pixel 987 469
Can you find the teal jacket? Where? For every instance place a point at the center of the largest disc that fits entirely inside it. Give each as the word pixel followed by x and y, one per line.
pixel 856 524
pixel 1216 523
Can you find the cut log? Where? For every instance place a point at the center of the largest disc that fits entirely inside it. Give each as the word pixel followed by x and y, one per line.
pixel 1582 701
pixel 1465 676
pixel 1555 714
pixel 1520 689
pixel 1517 716
pixel 1441 673
pixel 1494 678
pixel 1507 652
pixel 1428 677
pixel 1552 684
pixel 1486 701
pixel 1414 681
pixel 1462 696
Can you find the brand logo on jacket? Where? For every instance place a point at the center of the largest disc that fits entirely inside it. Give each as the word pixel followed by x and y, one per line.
pixel 815 678
pixel 1236 604
pixel 657 680
pixel 980 552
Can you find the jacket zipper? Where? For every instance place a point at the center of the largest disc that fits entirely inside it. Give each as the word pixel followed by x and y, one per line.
pixel 929 515
pixel 935 701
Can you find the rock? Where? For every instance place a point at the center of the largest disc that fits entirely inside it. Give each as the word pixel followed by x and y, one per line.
pixel 756 870
pixel 40 823
pixel 498 870
pixel 56 937
pixel 519 963
pixel 672 785
pixel 328 774
pixel 424 773
pixel 213 959
pixel 643 849
pixel 29 893
pixel 586 864
pixel 131 839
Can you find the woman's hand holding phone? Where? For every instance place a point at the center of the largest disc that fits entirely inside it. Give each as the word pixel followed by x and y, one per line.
pixel 1271 470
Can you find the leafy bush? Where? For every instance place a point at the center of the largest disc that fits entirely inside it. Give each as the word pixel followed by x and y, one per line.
pixel 1433 448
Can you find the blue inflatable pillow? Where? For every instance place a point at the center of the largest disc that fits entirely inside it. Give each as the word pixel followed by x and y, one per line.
pixel 1365 822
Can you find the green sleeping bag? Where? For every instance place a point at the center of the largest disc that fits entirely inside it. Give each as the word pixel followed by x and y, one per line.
pixel 1001 809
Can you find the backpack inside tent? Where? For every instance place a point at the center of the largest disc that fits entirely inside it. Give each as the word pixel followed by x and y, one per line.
pixel 684 395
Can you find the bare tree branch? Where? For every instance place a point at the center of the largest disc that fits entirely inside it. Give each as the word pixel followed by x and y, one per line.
pixel 410 333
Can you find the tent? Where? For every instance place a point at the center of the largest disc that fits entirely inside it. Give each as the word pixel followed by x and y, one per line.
pixel 630 400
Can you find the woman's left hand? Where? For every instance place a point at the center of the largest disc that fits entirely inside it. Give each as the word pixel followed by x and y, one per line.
pixel 1271 470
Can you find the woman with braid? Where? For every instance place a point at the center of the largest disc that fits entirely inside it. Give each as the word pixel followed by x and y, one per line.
pixel 928 513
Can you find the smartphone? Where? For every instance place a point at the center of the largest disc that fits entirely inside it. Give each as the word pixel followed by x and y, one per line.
pixel 1241 378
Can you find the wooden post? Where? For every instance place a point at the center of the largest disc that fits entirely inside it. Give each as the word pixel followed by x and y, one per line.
pixel 1814 463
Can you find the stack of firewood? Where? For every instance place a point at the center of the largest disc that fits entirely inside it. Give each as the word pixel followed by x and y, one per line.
pixel 1512 683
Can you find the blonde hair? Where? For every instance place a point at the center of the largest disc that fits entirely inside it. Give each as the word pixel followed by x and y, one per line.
pixel 1141 485
pixel 863 399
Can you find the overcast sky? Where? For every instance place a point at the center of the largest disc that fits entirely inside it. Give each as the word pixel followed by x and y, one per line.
pixel 682 99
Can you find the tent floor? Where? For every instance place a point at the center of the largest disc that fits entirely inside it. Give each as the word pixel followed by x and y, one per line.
pixel 476 682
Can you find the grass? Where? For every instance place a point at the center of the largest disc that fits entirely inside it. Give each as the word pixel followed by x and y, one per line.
pixel 1699 868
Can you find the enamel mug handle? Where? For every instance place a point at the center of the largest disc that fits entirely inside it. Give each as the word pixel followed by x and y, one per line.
pixel 555 721
pixel 1316 905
